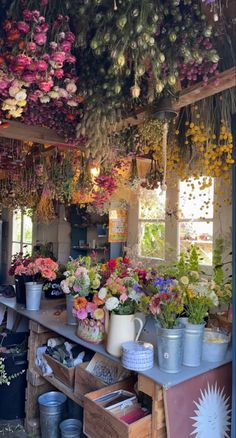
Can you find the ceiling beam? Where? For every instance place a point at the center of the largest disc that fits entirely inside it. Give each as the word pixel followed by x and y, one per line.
pixel 36 134
pixel 188 96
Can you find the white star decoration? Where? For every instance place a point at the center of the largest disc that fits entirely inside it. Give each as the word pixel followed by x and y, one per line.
pixel 212 418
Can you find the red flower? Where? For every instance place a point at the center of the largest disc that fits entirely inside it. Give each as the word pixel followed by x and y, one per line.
pixel 112 264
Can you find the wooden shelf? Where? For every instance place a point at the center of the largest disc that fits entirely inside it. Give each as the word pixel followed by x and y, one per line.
pixel 77 398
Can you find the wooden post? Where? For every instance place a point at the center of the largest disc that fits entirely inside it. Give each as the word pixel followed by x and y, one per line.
pixel 149 387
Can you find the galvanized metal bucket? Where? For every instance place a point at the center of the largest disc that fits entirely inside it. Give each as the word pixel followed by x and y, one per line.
pixel 71 428
pixel 170 348
pixel 69 306
pixel 193 341
pixel 33 295
pixel 52 410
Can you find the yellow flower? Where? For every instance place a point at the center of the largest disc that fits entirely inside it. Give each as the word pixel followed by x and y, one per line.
pixel 21 103
pixel 99 314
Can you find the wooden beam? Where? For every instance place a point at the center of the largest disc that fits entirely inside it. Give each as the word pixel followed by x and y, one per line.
pixel 188 96
pixel 36 134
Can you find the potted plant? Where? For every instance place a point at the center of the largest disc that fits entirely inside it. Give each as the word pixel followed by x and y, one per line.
pixel 165 306
pixel 37 269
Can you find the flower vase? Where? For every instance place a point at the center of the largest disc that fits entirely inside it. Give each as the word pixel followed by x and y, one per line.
pixel 71 320
pixel 120 329
pixel 170 348
pixel 193 343
pixel 33 295
pixel 90 330
pixel 20 281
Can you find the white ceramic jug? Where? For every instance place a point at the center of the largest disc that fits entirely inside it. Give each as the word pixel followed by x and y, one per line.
pixel 120 329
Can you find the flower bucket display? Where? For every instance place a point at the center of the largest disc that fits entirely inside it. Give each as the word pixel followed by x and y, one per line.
pixel 33 295
pixel 121 329
pixel 193 343
pixel 170 348
pixel 71 320
pixel 90 330
pixel 20 281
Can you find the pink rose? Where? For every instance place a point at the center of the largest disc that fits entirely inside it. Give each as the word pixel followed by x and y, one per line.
pixel 27 14
pixel 59 73
pixel 31 46
pixel 81 314
pixel 45 85
pixel 70 59
pixel 65 46
pixel 58 57
pixel 36 14
pixel 29 77
pixel 123 297
pixel 44 27
pixel 22 60
pixel 23 26
pixel 91 307
pixel 47 273
pixel 41 65
pixel 46 57
pixel 40 38
pixel 3 84
pixel 70 37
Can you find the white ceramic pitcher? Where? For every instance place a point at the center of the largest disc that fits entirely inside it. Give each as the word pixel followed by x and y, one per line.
pixel 120 329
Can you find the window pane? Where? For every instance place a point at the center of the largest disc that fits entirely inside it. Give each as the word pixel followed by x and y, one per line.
pixel 15 247
pixel 152 204
pixel 196 202
pixel 16 225
pixel 27 249
pixel 27 229
pixel 152 239
pixel 200 233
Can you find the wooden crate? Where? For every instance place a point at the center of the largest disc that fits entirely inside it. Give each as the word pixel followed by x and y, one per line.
pixel 100 423
pixel 85 381
pixel 61 372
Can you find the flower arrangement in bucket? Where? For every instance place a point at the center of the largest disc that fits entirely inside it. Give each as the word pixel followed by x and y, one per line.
pixel 165 306
pixel 122 295
pixel 81 284
pixel 199 297
pixel 35 269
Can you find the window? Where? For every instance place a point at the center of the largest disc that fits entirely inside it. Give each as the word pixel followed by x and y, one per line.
pixel 22 233
pixel 152 223
pixel 196 216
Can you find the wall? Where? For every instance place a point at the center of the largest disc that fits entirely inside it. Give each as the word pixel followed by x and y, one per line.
pixel 58 232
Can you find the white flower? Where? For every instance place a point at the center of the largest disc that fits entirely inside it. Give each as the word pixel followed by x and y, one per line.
pixel 21 95
pixel 72 103
pixel 213 297
pixel 102 293
pixel 13 91
pixel 53 94
pixel 65 287
pixel 10 102
pixel 44 99
pixel 184 280
pixel 112 303
pixel 71 87
pixel 62 92
pixel 133 295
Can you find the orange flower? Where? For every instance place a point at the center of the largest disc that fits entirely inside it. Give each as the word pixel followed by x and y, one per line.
pixel 97 300
pixel 80 303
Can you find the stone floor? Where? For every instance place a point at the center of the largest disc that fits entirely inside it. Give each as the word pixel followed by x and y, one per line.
pixel 13 429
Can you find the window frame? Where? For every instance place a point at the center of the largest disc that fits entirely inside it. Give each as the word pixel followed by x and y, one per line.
pixel 197 220
pixel 152 221
pixel 21 241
